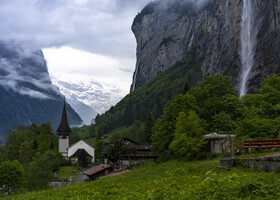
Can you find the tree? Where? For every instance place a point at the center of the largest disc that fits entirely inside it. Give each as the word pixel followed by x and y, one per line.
pixel 163 133
pixel 270 89
pixel 41 170
pixel 148 128
pixel 223 122
pixel 186 88
pixel 99 133
pixel 215 94
pixel 128 114
pixel 92 131
pixel 11 176
pixel 188 136
pixel 256 127
pixel 116 153
pixel 35 147
pixel 26 151
pixel 98 146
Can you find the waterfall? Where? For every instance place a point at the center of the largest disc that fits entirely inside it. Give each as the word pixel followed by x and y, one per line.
pixel 191 42
pixel 227 10
pixel 248 43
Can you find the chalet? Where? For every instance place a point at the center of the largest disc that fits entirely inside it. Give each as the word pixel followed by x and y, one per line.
pixel 138 154
pixel 76 149
pixel 218 143
pixel 100 170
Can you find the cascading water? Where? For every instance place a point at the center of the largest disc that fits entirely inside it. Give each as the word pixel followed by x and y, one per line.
pixel 248 41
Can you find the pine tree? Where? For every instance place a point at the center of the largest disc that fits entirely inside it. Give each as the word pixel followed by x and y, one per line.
pixel 128 114
pixel 99 133
pixel 148 128
pixel 186 88
pixel 92 131
pixel 98 146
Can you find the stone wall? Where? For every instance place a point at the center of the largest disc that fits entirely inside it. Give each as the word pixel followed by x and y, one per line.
pixel 265 163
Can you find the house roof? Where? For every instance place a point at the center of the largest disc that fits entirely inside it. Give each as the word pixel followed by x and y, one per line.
pixel 131 141
pixel 64 126
pixel 108 146
pixel 215 136
pixel 79 146
pixel 97 169
pixel 142 155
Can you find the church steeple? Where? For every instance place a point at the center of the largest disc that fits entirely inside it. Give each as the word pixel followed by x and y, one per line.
pixel 64 128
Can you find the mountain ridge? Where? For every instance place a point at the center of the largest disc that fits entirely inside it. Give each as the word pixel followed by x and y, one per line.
pixel 88 98
pixel 27 93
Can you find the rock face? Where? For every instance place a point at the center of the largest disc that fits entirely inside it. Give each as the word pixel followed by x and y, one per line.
pixel 166 30
pixel 26 91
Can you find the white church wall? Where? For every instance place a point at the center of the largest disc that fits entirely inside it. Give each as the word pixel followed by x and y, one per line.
pixel 63 145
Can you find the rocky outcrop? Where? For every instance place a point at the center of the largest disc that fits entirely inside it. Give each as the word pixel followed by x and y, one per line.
pixel 166 30
pixel 26 91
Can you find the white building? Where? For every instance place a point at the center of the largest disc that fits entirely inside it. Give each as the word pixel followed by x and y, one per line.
pixel 81 146
pixel 64 133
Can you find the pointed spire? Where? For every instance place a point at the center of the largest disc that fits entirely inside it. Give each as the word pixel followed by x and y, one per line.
pixel 64 128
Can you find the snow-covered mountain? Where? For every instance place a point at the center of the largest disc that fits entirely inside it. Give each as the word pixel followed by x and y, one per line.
pixel 88 98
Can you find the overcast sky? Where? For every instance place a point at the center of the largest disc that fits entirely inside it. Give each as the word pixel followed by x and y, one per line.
pixel 81 39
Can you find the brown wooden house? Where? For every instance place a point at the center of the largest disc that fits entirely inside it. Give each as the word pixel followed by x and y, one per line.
pixel 100 170
pixel 139 153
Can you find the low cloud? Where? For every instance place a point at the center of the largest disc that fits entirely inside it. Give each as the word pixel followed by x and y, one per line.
pixel 23 73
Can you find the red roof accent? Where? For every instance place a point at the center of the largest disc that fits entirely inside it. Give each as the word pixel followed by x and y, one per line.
pixel 267 140
pixel 97 169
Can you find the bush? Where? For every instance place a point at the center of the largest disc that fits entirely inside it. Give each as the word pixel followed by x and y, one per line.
pixel 11 176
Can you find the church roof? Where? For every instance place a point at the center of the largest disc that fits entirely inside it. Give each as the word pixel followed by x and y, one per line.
pixel 64 126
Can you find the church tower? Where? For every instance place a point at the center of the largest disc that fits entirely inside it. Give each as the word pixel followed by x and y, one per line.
pixel 63 133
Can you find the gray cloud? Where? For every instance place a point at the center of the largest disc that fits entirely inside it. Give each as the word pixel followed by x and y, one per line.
pixel 25 73
pixel 99 26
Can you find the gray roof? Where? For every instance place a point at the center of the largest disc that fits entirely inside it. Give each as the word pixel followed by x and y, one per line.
pixel 217 136
pixel 64 126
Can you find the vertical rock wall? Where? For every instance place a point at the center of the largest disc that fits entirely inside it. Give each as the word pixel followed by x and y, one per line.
pixel 166 31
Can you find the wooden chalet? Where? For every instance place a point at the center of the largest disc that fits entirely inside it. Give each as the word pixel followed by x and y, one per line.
pixel 100 170
pixel 138 153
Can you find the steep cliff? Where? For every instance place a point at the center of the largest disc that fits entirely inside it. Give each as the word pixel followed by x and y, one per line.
pixel 166 30
pixel 26 91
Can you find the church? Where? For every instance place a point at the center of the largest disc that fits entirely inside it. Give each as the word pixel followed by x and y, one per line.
pixel 74 150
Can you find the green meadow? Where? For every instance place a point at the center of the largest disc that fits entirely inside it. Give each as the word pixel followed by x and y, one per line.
pixel 172 180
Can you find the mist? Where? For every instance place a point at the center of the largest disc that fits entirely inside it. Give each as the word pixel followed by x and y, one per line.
pixel 24 72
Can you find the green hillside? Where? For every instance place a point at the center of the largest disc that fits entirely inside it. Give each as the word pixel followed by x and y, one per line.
pixel 172 180
pixel 153 96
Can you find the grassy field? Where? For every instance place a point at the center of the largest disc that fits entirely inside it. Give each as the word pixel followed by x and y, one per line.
pixel 67 171
pixel 173 180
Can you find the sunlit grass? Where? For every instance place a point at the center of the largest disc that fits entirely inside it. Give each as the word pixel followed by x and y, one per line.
pixel 173 180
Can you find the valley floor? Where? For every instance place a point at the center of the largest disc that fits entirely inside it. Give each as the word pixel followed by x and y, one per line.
pixel 173 180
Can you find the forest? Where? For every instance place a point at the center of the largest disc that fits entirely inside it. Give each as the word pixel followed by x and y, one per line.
pixel 211 106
